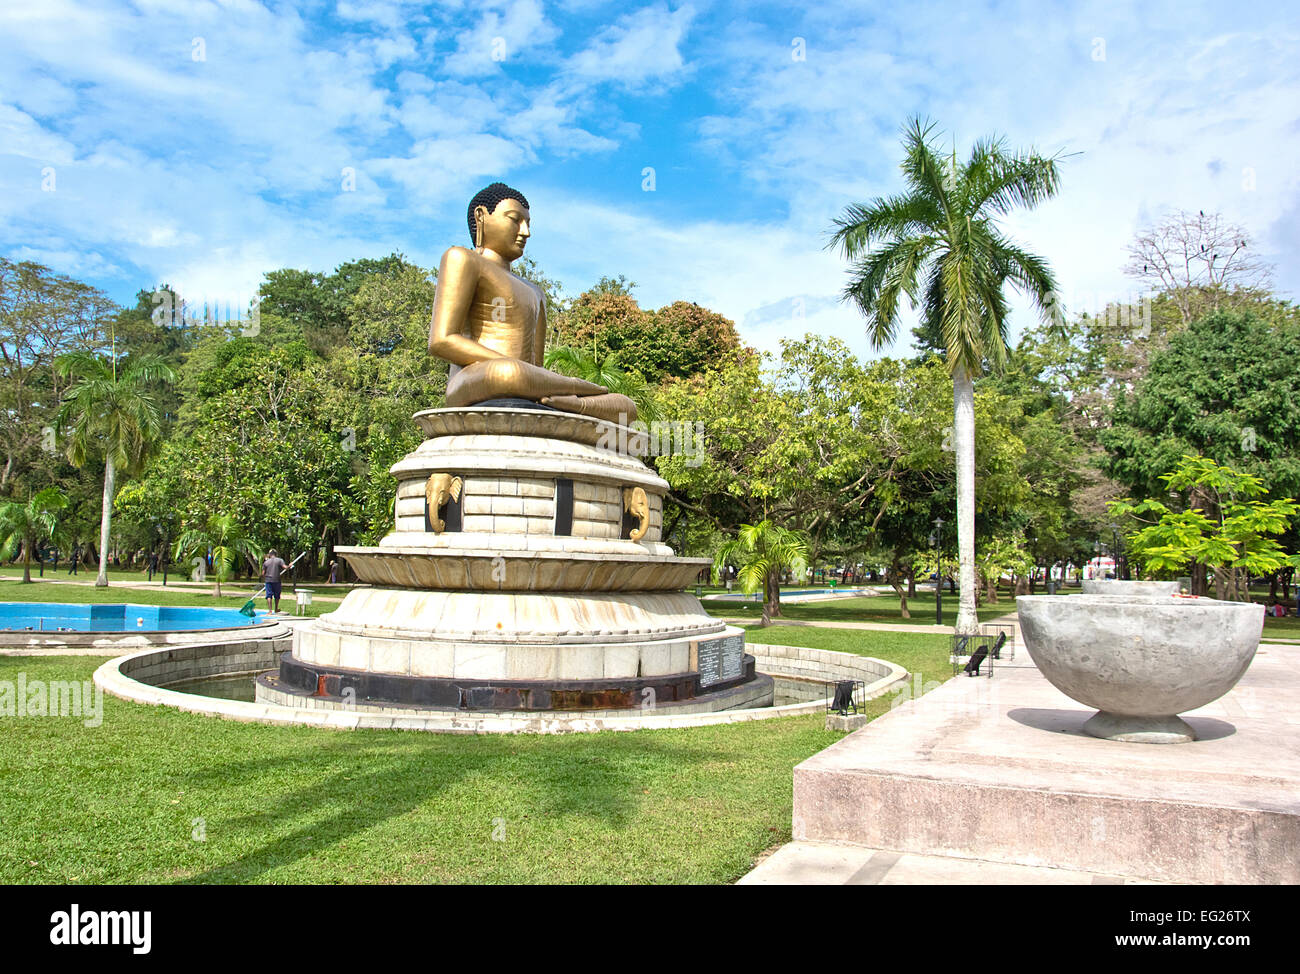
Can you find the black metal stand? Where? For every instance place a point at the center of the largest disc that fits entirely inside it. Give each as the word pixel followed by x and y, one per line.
pixel 842 696
pixel 972 655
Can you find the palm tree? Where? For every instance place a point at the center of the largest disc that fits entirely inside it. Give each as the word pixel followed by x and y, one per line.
pixel 939 243
pixel 27 524
pixel 764 550
pixel 225 538
pixel 109 410
pixel 603 370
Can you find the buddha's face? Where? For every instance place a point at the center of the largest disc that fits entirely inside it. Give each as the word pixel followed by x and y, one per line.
pixel 505 229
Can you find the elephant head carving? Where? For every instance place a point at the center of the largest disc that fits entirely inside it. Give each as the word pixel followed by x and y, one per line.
pixel 637 504
pixel 438 492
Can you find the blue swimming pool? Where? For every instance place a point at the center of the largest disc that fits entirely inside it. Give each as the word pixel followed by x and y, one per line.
pixel 66 617
pixel 788 592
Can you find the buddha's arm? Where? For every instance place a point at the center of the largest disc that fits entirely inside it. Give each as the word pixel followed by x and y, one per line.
pixel 539 335
pixel 458 275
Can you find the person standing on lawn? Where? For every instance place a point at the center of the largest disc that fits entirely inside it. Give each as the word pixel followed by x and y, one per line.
pixel 272 569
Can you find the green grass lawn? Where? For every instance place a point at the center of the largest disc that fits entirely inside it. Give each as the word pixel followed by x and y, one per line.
pixel 863 608
pixel 922 653
pixel 121 803
pixel 1288 627
pixel 118 803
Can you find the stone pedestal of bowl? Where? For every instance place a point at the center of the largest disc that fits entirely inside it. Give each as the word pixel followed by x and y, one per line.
pixel 1140 661
pixel 1110 586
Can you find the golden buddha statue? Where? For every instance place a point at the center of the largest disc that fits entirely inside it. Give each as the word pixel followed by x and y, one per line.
pixel 490 323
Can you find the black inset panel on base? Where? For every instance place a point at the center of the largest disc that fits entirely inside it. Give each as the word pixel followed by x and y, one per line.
pixel 630 521
pixel 563 507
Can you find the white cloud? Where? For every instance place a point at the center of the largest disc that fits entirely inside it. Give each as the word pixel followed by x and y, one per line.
pixel 643 46
pixel 506 35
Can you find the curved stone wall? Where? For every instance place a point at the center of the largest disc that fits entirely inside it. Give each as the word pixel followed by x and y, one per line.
pixel 139 677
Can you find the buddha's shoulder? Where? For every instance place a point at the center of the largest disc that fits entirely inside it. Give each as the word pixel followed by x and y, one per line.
pixel 455 258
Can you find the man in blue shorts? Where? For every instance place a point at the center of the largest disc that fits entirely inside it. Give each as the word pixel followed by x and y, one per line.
pixel 272 568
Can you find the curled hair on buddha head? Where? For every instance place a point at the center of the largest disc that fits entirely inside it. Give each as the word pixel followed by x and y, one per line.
pixel 489 197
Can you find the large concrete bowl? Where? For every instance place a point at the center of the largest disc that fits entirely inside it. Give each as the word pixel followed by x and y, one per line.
pixel 1140 661
pixel 1112 586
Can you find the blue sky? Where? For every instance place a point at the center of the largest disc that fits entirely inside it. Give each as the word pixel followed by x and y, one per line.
pixel 204 143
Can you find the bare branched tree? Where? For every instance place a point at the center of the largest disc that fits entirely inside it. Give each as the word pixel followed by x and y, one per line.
pixel 1199 259
pixel 42 315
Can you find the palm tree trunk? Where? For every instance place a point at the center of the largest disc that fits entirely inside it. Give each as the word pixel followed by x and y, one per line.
pixel 27 561
pixel 771 597
pixel 963 399
pixel 106 519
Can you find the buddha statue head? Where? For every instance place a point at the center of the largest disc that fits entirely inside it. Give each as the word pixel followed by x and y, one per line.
pixel 499 220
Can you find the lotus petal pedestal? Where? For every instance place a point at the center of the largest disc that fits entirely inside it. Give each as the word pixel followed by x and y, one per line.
pixel 526 572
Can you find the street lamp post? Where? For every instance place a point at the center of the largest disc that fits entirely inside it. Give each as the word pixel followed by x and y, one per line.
pixel 938 571
pixel 1114 551
pixel 297 543
pixel 161 535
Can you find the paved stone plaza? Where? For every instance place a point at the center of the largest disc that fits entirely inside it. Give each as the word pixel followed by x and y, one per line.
pixel 993 781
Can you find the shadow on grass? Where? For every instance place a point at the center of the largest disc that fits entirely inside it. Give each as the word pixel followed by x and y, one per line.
pixel 598 782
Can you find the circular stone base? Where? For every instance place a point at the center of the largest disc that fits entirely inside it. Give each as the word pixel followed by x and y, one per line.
pixel 1139 730
pixel 756 692
pixel 465 694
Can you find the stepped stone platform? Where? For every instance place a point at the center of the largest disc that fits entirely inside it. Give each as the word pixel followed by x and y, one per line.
pixel 1000 771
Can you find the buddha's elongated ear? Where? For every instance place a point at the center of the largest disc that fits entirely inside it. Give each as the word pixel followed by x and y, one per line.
pixel 480 214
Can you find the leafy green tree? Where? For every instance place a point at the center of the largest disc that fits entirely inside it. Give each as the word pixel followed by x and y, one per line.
pixel 1225 388
pixel 677 341
pixel 162 325
pixel 110 413
pixel 43 315
pixel 999 556
pixel 761 553
pixel 223 537
pixel 257 442
pixel 314 307
pixel 27 525
pixel 738 468
pixel 1233 534
pixel 940 245
pixel 375 385
pixel 920 484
